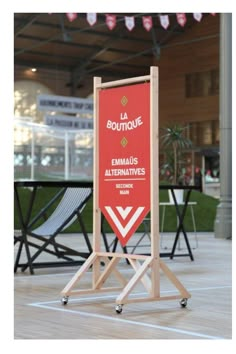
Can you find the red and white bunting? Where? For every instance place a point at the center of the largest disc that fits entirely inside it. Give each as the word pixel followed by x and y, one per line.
pixel 147 22
pixel 181 19
pixel 111 21
pixel 164 21
pixel 71 16
pixel 91 18
pixel 197 16
pixel 129 22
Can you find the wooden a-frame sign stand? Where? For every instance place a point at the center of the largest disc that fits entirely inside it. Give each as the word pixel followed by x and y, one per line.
pixel 147 268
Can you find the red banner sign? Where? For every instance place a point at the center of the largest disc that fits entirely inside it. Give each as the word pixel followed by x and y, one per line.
pixel 111 21
pixel 124 157
pixel 71 16
pixel 181 19
pixel 147 22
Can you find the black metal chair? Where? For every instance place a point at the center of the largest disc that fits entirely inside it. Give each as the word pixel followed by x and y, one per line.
pixel 44 237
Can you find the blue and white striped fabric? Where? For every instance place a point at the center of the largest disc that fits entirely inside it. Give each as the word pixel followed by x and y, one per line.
pixel 71 202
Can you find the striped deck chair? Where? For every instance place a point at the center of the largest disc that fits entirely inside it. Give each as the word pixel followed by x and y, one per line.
pixel 44 237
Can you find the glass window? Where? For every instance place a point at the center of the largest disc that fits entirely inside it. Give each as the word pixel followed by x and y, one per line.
pixel 202 84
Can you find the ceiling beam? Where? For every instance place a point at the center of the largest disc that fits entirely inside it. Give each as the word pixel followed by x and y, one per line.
pixel 89 30
pixel 75 44
pixel 61 67
pixel 46 66
pixel 25 24
pixel 81 70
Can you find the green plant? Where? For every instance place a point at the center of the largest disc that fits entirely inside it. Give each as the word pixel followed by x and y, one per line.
pixel 174 141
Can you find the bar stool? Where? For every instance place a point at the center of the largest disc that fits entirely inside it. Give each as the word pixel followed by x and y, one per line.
pixel 180 202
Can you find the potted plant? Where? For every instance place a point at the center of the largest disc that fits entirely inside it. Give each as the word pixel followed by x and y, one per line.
pixel 174 141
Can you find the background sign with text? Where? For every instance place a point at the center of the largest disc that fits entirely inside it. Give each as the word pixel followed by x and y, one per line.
pixel 64 104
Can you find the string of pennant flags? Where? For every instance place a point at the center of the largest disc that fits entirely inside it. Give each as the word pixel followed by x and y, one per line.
pixel 129 21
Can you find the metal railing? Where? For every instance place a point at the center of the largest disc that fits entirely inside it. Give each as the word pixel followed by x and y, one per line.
pixel 44 152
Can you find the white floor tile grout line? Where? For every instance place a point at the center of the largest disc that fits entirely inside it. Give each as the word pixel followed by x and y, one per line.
pixel 131 322
pixel 46 305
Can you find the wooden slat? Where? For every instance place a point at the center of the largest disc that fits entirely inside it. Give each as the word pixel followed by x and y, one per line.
pixel 117 273
pixel 124 81
pixel 154 197
pixel 121 299
pixel 106 273
pixel 123 255
pixel 71 284
pixel 145 278
pixel 174 280
pixel 95 291
pixel 96 210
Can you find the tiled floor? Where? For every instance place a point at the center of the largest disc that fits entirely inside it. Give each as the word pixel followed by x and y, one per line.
pixel 39 314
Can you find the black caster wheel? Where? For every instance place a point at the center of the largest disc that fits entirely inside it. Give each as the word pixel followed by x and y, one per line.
pixel 119 308
pixel 64 300
pixel 183 302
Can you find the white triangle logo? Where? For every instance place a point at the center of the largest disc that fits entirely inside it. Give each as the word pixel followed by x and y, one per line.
pixel 124 213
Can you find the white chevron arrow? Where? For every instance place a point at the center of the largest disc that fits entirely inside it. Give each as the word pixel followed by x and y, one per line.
pixel 124 212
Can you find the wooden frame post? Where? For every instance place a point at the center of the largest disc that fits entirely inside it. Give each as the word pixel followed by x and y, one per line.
pixel 141 264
